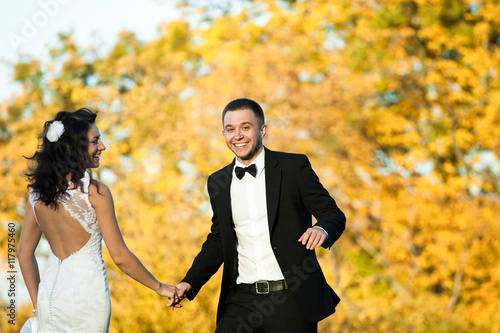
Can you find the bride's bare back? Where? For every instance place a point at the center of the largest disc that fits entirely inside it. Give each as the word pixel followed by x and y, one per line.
pixel 67 227
pixel 64 234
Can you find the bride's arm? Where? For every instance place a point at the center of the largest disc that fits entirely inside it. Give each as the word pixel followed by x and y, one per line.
pixel 102 201
pixel 30 236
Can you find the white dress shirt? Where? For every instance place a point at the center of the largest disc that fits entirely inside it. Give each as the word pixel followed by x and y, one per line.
pixel 256 260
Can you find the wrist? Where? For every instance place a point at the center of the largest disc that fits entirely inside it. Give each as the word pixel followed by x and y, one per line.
pixel 317 227
pixel 188 286
pixel 158 288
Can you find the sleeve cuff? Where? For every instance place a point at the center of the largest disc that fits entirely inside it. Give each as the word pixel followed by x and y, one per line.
pixel 324 231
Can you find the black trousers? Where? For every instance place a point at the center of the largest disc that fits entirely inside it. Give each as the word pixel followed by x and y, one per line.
pixel 275 312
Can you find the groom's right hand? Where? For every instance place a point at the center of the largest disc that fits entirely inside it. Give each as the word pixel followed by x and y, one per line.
pixel 182 289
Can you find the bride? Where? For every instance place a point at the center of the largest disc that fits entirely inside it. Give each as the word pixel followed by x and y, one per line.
pixel 74 212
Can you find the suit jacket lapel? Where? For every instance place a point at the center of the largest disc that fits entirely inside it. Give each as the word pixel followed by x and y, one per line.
pixel 273 185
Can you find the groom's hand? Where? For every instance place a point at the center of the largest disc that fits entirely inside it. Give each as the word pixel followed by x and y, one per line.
pixel 182 289
pixel 313 238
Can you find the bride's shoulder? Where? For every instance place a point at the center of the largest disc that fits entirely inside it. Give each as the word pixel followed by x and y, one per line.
pixel 97 188
pixel 100 196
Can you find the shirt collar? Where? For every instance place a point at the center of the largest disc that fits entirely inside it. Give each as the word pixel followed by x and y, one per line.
pixel 259 163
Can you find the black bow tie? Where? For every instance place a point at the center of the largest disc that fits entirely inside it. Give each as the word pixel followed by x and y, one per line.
pixel 240 172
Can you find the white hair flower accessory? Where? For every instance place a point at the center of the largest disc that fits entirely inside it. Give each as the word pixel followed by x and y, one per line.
pixel 56 129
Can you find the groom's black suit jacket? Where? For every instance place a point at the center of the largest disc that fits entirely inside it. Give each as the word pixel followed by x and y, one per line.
pixel 293 193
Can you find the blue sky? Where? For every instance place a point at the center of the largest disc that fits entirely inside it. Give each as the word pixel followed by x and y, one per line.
pixel 30 27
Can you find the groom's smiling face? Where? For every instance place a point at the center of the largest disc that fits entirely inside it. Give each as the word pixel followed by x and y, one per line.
pixel 243 134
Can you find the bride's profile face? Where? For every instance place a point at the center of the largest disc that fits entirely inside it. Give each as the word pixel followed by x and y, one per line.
pixel 95 146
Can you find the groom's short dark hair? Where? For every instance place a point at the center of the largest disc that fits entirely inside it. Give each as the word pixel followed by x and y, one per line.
pixel 245 104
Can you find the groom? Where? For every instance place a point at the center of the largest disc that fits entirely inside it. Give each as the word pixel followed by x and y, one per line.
pixel 262 231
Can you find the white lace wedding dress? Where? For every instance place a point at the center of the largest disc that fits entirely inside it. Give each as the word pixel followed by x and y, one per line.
pixel 73 295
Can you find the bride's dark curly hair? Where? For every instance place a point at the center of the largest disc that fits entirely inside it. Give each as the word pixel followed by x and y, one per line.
pixel 54 161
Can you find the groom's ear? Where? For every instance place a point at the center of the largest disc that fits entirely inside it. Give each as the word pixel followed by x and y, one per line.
pixel 263 130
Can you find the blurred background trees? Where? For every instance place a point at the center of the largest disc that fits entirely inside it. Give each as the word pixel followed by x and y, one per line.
pixel 395 102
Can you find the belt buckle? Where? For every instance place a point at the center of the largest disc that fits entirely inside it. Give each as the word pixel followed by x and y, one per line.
pixel 258 290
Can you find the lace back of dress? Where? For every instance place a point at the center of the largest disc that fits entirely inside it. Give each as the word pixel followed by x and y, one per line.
pixel 33 198
pixel 78 206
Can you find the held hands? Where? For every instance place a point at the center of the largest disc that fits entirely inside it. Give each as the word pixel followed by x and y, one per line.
pixel 313 238
pixel 171 292
pixel 182 288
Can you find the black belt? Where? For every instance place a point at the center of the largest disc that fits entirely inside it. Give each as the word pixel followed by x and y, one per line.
pixel 264 287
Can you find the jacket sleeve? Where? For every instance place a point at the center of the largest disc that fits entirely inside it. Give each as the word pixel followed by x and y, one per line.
pixel 209 259
pixel 319 203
